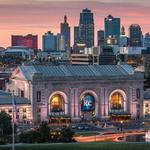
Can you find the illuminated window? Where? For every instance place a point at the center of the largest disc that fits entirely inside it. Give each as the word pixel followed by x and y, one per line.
pixel 24 117
pixel 10 110
pixel 146 105
pixel 117 101
pixel 24 110
pixel 57 103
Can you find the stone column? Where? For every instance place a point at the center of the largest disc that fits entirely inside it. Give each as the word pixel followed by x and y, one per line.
pixel 74 104
pixel 33 102
pixel 141 101
pixel 104 104
pixel 132 102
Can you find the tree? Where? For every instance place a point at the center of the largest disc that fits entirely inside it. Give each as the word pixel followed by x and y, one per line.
pixel 67 135
pixel 5 126
pixel 44 131
pixel 30 137
pixel 5 123
pixel 40 135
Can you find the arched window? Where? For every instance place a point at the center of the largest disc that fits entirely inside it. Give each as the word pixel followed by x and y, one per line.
pixel 57 103
pixel 87 103
pixel 117 101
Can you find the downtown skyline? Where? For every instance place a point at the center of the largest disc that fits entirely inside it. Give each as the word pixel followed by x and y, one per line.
pixel 38 16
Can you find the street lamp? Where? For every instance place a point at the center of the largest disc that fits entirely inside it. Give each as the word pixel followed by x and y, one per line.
pixel 13 124
pixel 121 125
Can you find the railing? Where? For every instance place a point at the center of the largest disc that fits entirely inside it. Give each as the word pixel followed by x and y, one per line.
pixel 56 113
pixel 117 111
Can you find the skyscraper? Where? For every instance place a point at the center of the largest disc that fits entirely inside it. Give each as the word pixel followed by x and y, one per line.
pixel 49 41
pixel 65 31
pixel 86 27
pixel 53 42
pixel 123 40
pixel 76 35
pixel 101 38
pixel 29 40
pixel 60 41
pixel 112 27
pixel 147 40
pixel 123 30
pixel 135 35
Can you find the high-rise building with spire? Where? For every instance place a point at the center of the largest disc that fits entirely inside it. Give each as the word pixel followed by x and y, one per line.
pixel 65 31
pixel 123 40
pixel 123 30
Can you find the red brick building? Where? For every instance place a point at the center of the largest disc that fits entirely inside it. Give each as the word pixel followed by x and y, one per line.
pixel 29 40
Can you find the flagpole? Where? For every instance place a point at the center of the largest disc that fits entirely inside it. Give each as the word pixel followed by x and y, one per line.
pixel 13 124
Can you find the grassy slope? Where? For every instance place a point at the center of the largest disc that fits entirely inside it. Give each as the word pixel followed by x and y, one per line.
pixel 85 146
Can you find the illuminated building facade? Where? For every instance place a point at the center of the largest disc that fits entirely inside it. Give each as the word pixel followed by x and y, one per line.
pixel 146 107
pixel 23 109
pixel 81 92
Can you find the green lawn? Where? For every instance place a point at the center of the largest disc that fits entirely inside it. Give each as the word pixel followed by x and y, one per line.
pixel 85 146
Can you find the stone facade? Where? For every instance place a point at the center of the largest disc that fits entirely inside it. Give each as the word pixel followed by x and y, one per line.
pixel 72 90
pixel 22 108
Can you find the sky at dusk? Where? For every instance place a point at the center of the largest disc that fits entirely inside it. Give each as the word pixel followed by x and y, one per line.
pixel 40 16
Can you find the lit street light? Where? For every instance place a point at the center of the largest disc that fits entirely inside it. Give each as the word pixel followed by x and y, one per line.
pixel 121 125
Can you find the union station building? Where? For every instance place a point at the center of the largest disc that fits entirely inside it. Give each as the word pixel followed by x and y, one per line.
pixel 79 92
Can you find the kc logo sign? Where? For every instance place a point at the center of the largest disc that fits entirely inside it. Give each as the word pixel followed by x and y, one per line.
pixel 87 103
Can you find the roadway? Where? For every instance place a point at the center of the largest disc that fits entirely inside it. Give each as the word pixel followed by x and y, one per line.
pixel 107 137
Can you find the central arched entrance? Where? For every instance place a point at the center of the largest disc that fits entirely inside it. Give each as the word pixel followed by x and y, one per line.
pixel 88 105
